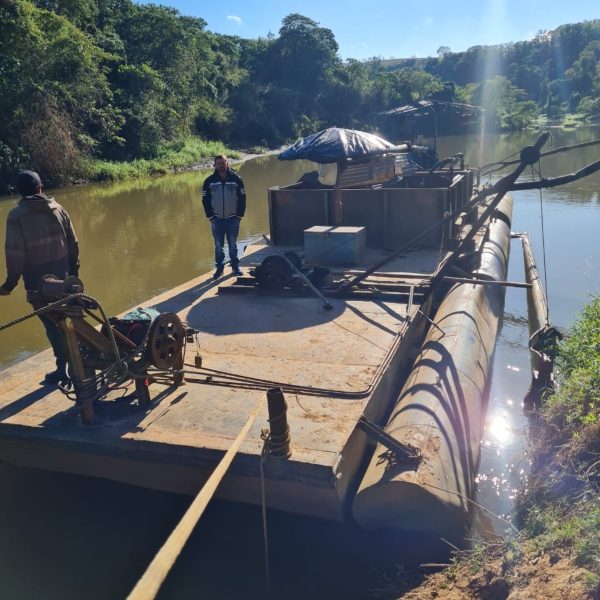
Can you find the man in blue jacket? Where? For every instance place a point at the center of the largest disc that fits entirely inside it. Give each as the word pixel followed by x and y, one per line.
pixel 224 202
pixel 40 240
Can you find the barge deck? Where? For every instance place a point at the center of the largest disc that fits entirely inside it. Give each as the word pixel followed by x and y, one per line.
pixel 354 355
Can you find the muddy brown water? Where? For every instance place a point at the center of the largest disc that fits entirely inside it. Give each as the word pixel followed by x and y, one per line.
pixel 64 536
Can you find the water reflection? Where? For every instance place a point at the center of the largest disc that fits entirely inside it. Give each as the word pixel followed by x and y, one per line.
pixel 139 238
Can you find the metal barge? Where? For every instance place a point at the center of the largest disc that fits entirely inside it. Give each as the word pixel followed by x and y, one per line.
pixel 385 383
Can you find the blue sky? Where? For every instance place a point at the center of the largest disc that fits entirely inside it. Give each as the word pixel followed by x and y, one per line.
pixel 396 29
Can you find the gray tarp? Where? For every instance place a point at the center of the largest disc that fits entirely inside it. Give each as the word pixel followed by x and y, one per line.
pixel 336 144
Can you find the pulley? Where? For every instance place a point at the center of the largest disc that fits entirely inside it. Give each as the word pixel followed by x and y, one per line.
pixel 52 288
pixel 165 341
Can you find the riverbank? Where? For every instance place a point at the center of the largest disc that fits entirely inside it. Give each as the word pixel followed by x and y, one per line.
pixel 556 552
pixel 189 154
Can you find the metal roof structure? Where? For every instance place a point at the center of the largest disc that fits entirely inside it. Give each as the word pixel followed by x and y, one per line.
pixel 428 106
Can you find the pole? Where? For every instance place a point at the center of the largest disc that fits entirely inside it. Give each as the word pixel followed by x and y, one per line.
pixel 149 585
pixel 529 156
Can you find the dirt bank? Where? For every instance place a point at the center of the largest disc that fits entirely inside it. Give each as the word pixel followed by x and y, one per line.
pixel 523 575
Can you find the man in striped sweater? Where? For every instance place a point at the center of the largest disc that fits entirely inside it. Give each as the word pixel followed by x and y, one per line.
pixel 40 240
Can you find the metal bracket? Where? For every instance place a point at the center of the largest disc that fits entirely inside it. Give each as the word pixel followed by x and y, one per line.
pixel 431 322
pixel 411 295
pixel 402 453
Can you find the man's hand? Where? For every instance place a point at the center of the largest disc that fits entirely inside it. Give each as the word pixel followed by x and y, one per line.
pixel 4 291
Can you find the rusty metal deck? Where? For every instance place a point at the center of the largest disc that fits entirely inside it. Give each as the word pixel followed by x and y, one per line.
pixel 357 349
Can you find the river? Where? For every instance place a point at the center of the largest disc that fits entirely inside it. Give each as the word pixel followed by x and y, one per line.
pixel 70 537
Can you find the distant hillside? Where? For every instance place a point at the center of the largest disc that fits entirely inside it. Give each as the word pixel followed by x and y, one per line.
pixel 400 63
pixel 569 52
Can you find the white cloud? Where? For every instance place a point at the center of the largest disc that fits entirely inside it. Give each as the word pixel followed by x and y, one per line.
pixel 237 20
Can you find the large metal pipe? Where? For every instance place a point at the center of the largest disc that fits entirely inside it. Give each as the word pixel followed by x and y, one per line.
pixel 441 409
pixel 494 253
pixel 542 336
pixel 537 304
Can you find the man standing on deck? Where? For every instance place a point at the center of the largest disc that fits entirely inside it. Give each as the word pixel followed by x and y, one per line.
pixel 40 240
pixel 224 202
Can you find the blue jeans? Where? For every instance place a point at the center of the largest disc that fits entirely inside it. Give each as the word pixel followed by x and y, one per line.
pixel 222 228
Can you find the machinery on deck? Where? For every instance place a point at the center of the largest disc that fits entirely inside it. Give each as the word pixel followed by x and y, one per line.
pixel 142 345
pixel 279 271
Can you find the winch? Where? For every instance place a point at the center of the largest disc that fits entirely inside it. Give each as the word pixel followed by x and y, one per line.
pixel 280 271
pixel 142 345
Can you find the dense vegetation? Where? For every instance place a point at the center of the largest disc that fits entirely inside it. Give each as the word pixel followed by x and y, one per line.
pixel 90 80
pixel 561 506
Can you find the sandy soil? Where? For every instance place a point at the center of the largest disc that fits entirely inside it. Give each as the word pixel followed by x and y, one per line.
pixel 548 577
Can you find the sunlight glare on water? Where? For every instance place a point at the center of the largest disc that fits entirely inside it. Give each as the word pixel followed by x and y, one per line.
pixel 499 428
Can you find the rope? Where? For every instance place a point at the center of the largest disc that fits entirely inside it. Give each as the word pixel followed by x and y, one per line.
pixel 39 311
pixel 276 444
pixel 63 302
pixel 263 496
pixel 471 501
pixel 111 334
pixel 544 247
pixel 505 163
pixel 149 585
pixel 247 382
pixel 224 379
pixel 98 384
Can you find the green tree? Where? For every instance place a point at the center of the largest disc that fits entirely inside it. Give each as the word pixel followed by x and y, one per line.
pixel 287 82
pixel 582 75
pixel 81 13
pixel 54 84
pixel 303 55
pixel 506 107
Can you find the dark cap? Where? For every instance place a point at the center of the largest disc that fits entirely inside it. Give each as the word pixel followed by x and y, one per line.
pixel 28 182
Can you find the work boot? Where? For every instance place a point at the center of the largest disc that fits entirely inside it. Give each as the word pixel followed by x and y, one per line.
pixel 56 377
pixel 218 272
pixel 236 271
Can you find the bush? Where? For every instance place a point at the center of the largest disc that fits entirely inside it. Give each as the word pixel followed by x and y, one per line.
pixel 53 153
pixel 178 155
pixel 561 505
